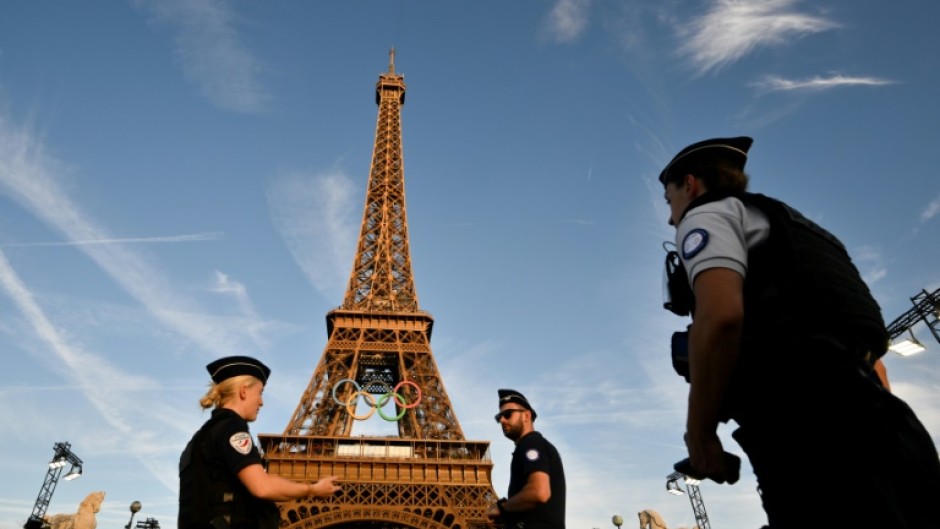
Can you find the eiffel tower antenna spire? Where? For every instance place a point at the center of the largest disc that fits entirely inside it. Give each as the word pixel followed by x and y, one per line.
pixel 381 278
pixel 378 357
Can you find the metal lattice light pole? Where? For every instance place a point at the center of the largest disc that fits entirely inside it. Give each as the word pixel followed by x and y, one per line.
pixel 926 309
pixel 695 496
pixel 63 456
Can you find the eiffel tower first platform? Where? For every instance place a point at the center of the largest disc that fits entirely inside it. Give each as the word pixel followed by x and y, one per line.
pixel 378 365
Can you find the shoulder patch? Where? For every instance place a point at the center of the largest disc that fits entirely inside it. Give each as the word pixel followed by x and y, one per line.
pixel 532 455
pixel 694 242
pixel 241 442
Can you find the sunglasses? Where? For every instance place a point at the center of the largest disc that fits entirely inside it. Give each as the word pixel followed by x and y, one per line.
pixel 506 414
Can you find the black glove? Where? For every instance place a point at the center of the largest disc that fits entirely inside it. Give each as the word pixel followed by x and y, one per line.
pixel 731 461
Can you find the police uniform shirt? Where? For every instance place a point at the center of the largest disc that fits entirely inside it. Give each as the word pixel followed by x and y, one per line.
pixel 718 235
pixel 534 453
pixel 209 483
pixel 232 441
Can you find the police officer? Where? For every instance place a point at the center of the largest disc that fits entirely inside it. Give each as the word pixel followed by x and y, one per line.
pixel 223 483
pixel 784 339
pixel 536 497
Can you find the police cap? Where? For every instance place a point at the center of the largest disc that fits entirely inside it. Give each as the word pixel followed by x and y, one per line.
pixel 733 150
pixel 232 366
pixel 511 395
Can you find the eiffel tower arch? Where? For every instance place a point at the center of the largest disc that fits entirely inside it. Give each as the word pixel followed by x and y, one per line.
pixel 378 365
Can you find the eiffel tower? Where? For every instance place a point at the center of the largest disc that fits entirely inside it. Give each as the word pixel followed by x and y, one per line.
pixel 378 358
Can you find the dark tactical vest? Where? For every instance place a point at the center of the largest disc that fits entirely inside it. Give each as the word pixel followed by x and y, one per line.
pixel 210 497
pixel 801 285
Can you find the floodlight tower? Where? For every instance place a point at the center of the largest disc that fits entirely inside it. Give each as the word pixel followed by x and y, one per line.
pixel 695 496
pixel 63 456
pixel 927 309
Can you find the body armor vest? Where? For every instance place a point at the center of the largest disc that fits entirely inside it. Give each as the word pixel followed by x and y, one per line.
pixel 800 285
pixel 802 282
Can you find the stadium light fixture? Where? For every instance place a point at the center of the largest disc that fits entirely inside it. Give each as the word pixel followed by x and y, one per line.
pixel 672 484
pixel 907 346
pixel 75 472
pixel 926 309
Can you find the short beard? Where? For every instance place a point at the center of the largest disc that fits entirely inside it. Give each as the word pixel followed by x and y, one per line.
pixel 513 433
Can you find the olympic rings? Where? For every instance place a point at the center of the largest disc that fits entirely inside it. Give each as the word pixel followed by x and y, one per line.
pixel 390 393
pixel 383 400
pixel 417 388
pixel 340 383
pixel 368 397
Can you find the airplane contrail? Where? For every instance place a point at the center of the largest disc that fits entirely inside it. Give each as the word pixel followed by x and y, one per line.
pixel 196 237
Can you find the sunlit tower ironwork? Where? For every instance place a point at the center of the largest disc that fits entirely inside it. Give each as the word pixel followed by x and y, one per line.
pixel 378 343
pixel 62 456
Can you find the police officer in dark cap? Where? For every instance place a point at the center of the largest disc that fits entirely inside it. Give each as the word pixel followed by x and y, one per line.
pixel 536 498
pixel 223 483
pixel 784 340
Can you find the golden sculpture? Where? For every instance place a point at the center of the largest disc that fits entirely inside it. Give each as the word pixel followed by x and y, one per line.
pixel 83 519
pixel 650 519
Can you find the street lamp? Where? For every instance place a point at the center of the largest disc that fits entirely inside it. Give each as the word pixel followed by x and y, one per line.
pixel 63 456
pixel 135 507
pixel 617 520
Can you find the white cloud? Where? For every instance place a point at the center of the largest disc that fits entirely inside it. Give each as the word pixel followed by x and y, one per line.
pixel 772 83
pixel 316 217
pixel 101 382
pixel 921 396
pixel 193 237
pixel 567 20
pixel 32 178
pixel 255 325
pixel 931 210
pixel 211 52
pixel 733 28
pixel 870 261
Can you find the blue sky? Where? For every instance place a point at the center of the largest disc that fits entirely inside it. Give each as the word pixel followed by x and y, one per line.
pixel 182 180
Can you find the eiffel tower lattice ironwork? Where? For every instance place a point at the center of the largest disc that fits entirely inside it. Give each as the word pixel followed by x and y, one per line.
pixel 378 357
